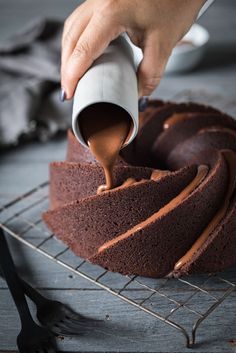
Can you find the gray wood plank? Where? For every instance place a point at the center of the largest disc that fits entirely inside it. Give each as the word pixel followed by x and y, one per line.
pixel 135 332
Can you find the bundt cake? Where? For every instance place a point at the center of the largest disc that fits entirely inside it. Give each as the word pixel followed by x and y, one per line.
pixel 173 210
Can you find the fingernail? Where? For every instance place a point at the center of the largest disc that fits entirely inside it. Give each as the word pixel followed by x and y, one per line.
pixel 62 95
pixel 143 103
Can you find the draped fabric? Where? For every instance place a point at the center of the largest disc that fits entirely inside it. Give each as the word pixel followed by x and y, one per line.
pixel 30 84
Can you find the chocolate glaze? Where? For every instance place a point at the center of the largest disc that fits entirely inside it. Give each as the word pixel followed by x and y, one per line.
pixel 201 174
pixel 129 181
pixel 230 157
pixel 155 175
pixel 105 127
pixel 218 129
pixel 176 118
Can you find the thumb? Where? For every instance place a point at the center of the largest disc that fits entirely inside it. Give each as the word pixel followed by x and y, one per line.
pixel 91 44
pixel 152 66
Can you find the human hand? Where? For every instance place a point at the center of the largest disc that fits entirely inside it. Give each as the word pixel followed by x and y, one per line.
pixel 153 25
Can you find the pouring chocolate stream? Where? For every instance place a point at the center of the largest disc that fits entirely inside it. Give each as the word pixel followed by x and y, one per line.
pixel 105 127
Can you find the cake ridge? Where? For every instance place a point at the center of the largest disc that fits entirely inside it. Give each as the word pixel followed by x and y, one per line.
pixel 197 144
pixel 170 138
pixel 215 246
pixel 66 178
pixel 201 174
pixel 231 160
pixel 154 126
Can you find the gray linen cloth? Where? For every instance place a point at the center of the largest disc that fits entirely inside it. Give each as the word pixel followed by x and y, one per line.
pixel 30 84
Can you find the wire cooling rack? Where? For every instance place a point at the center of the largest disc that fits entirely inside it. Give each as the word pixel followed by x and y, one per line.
pixel 165 299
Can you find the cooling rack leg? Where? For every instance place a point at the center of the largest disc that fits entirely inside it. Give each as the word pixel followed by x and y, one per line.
pixel 210 310
pixel 194 330
pixel 188 343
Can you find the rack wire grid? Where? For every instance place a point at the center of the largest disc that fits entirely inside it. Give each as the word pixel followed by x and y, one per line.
pixel 165 299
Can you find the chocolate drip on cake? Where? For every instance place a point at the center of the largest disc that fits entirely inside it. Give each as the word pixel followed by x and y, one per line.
pixel 231 160
pixel 201 174
pixel 176 118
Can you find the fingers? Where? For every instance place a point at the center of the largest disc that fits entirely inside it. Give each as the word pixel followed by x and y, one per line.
pixel 70 38
pixel 73 28
pixel 152 66
pixel 91 44
pixel 74 15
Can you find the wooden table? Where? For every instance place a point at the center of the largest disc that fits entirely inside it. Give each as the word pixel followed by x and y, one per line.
pixel 126 328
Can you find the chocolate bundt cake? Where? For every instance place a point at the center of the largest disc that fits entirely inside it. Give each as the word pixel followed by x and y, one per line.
pixel 177 218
